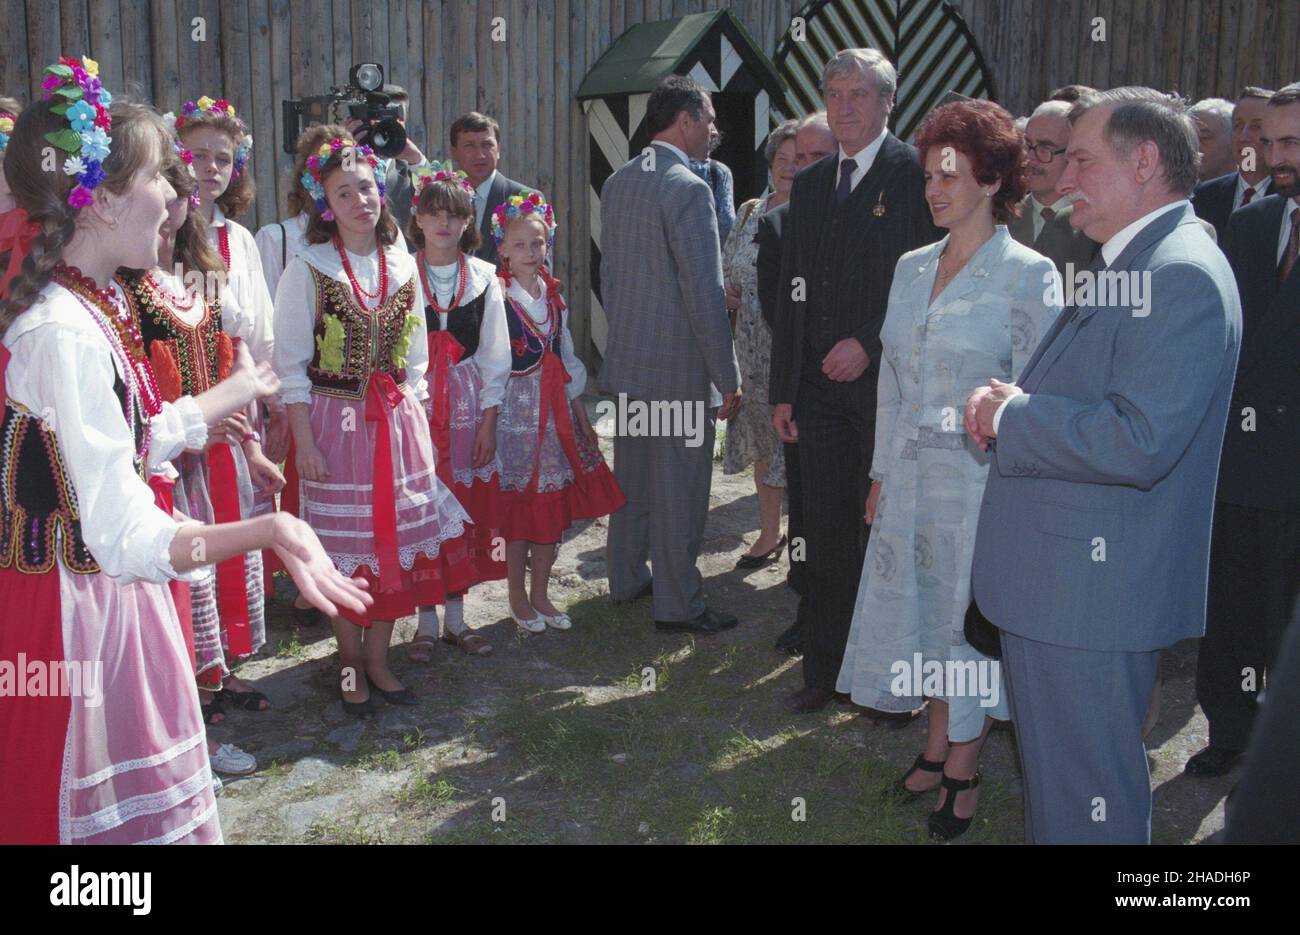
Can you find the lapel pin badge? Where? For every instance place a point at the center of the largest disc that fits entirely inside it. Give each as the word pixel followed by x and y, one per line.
pixel 879 209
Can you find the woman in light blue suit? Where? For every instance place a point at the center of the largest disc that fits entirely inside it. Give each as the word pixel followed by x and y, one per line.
pixel 971 306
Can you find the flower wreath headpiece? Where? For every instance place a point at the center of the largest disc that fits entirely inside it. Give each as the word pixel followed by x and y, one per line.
pixel 311 176
pixel 188 158
pixel 6 127
pixel 422 176
pixel 526 204
pixel 193 113
pixel 83 101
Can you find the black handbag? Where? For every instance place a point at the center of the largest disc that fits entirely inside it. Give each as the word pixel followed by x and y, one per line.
pixel 981 633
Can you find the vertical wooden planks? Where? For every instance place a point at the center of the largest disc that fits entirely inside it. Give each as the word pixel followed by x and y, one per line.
pixel 105 44
pixel 135 28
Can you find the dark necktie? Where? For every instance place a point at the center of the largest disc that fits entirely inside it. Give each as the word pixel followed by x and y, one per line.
pixel 1292 248
pixel 847 168
pixel 1047 214
pixel 1249 194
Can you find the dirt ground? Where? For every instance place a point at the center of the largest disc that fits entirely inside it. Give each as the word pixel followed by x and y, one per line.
pixel 615 733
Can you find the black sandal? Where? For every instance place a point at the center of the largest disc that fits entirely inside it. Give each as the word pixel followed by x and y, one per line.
pixel 944 824
pixel 247 701
pixel 899 789
pixel 212 709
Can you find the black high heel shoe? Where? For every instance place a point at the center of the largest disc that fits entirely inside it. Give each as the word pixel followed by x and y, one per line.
pixel 758 561
pixel 360 709
pixel 944 824
pixel 899 790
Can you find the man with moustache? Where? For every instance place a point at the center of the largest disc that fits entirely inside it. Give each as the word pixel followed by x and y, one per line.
pixel 1216 199
pixel 1092 549
pixel 852 215
pixel 812 142
pixel 1255 550
pixel 1044 221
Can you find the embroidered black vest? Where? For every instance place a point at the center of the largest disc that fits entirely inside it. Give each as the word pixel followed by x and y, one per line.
pixel 195 350
pixel 525 354
pixel 463 322
pixel 40 520
pixel 352 342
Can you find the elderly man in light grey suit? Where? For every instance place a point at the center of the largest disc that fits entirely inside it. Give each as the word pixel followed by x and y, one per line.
pixel 1092 551
pixel 669 342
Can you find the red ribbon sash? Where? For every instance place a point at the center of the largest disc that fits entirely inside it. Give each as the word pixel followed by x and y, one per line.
pixel 232 586
pixel 554 376
pixel 16 236
pixel 382 397
pixel 444 353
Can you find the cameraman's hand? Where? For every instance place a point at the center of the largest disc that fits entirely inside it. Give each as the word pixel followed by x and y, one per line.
pixel 357 128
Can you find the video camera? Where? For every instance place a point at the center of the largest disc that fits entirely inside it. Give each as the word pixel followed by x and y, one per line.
pixel 362 99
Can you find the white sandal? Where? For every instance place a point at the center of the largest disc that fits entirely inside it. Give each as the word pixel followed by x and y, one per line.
pixel 535 625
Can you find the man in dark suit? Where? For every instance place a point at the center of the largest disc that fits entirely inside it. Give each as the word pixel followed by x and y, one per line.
pixel 1215 199
pixel 1255 550
pixel 1044 221
pixel 852 215
pixel 813 141
pixel 476 148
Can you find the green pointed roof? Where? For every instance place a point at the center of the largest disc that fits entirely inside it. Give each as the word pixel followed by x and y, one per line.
pixel 648 52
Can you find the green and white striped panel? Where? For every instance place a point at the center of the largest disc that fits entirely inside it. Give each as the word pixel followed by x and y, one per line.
pixel 927 40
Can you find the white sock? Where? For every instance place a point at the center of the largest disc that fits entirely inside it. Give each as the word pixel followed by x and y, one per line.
pixel 454 616
pixel 428 625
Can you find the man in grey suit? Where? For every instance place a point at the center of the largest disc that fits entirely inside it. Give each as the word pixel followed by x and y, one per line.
pixel 1044 221
pixel 669 343
pixel 1092 552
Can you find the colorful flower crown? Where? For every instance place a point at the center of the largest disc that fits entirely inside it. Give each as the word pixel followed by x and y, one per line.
pixel 311 176
pixel 6 127
pixel 194 113
pixel 188 158
pixel 526 204
pixel 84 103
pixel 422 176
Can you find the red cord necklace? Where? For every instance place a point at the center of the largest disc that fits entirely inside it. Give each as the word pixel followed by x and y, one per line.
pixel 223 243
pixel 360 294
pixel 462 271
pixel 171 298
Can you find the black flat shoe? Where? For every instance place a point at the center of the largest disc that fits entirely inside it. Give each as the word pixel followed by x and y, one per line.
pixel 899 791
pixel 359 709
pixel 709 621
pixel 791 641
pixel 403 696
pixel 647 590
pixel 1213 761
pixel 944 824
pixel 767 558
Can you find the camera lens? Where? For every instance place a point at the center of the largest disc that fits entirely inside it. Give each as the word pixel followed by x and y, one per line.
pixel 387 138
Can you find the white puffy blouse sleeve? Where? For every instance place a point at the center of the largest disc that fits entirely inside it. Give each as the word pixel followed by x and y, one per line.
pixel 295 320
pixel 270 243
pixel 178 427
pixel 417 355
pixel 125 531
pixel 493 355
pixel 577 384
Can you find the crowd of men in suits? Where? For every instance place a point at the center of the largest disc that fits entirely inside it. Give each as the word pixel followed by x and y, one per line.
pixel 1117 423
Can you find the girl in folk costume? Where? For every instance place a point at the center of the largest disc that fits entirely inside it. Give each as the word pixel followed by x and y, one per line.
pixel 469 365
pixel 350 352
pixel 104 744
pixel 181 324
pixel 552 471
pixel 221 146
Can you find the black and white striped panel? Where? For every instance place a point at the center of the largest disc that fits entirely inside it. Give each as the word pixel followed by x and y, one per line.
pixel 927 40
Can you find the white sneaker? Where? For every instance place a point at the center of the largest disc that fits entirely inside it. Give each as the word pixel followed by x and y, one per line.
pixel 535 625
pixel 216 784
pixel 559 622
pixel 232 761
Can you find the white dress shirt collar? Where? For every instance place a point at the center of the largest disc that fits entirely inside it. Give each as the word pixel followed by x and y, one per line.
pixel 1036 208
pixel 481 195
pixel 1261 189
pixel 864 158
pixel 669 146
pixel 1112 248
